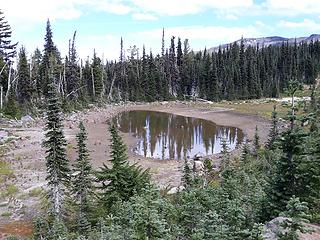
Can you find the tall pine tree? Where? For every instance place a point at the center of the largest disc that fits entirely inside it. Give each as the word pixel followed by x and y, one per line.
pixel 82 182
pixel 25 86
pixel 56 159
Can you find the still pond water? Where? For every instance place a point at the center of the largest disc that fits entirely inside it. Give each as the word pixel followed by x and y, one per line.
pixel 168 136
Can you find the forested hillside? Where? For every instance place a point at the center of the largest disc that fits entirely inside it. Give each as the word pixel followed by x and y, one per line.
pixel 176 73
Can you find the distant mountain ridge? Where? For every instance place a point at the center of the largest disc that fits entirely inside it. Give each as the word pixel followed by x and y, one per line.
pixel 267 41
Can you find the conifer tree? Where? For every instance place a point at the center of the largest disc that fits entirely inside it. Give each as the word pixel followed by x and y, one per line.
pixel 7 53
pixel 245 155
pixel 122 180
pixel 225 155
pixel 96 78
pixel 186 174
pixel 179 53
pixel 25 87
pixel 186 70
pixel 144 72
pixel 151 92
pixel 7 49
pixel 212 86
pixel 50 55
pixel 309 172
pixel 256 142
pixel 297 216
pixel 274 132
pixel 173 69
pixel 35 72
pixel 82 186
pixel 40 228
pixel 56 159
pixel 243 76
pixel 72 70
pixel 284 183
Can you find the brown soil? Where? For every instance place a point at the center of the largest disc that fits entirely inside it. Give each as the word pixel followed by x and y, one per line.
pixel 22 229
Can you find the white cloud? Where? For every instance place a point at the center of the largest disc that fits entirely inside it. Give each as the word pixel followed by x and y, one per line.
pixel 230 16
pixel 144 17
pixel 36 10
pixel 39 10
pixel 110 6
pixel 292 7
pixel 260 24
pixel 183 7
pixel 105 45
pixel 306 24
pixel 18 11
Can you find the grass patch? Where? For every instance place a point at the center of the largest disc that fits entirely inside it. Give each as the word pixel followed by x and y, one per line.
pixel 70 146
pixel 154 170
pixel 12 190
pixel 36 192
pixel 5 171
pixel 261 109
pixel 18 158
pixel 9 139
pixel 6 214
pixel 3 204
pixel 9 191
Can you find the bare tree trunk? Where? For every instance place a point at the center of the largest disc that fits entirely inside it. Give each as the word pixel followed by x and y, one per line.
pixel 93 88
pixel 110 91
pixel 9 84
pixel 64 77
pixel 74 91
pixel 3 68
pixel 1 97
pixel 102 79
pixel 81 71
pixel 292 112
pixel 60 84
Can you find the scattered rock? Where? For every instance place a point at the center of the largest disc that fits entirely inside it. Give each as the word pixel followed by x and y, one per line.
pixel 198 166
pixel 198 157
pixel 3 135
pixel 175 190
pixel 272 229
pixel 26 119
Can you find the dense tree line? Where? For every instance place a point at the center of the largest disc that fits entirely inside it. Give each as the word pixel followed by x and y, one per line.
pixel 237 72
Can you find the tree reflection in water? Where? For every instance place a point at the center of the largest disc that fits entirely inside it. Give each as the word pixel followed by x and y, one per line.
pixel 169 136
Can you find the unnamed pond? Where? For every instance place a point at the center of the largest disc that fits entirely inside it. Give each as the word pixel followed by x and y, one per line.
pixel 168 136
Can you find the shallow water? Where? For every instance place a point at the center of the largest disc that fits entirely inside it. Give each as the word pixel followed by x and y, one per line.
pixel 168 136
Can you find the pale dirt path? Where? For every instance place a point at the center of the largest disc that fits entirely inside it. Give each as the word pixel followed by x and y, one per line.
pixel 26 155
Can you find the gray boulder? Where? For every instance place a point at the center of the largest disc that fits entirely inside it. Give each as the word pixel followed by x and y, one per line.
pixel 175 190
pixel 27 119
pixel 271 230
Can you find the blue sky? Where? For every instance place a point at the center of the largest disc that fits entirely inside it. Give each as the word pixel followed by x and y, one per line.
pixel 206 23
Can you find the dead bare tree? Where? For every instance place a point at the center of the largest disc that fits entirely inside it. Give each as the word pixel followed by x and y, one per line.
pixel 93 87
pixel 111 87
